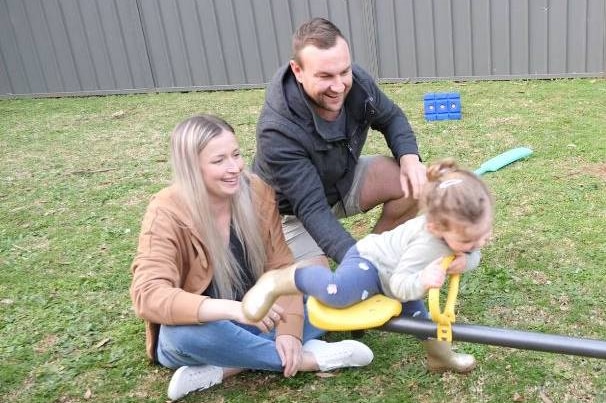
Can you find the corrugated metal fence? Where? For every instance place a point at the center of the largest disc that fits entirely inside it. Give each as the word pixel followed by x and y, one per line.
pixel 79 47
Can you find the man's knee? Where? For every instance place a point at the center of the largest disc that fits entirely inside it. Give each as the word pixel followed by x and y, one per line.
pixel 381 183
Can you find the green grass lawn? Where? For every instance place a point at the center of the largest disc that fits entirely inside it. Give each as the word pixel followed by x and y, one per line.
pixel 76 175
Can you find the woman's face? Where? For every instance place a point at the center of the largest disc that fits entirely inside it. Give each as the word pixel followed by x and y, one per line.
pixel 221 164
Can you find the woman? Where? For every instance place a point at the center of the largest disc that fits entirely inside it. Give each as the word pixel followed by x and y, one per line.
pixel 204 242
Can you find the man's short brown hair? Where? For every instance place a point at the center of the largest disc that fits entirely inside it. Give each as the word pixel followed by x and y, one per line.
pixel 318 32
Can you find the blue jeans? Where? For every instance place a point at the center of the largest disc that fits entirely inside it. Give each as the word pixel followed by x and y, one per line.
pixel 223 343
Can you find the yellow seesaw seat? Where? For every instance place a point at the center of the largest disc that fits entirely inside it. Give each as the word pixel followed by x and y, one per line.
pixel 378 309
pixel 373 312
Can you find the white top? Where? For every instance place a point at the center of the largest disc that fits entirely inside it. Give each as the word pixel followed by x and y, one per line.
pixel 402 253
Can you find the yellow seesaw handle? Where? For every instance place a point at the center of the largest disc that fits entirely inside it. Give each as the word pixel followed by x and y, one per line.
pixel 444 319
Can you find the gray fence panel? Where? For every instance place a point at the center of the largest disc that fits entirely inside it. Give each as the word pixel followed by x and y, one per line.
pixel 462 39
pixel 490 38
pixel 538 36
pixel 576 41
pixel 56 47
pixel 482 38
pixel 500 45
pixel 12 76
pixel 519 32
pixel 558 28
pixel 283 26
pixel 185 24
pixel 406 47
pixel 596 32
pixel 33 17
pixel 267 46
pixel 232 43
pixel 444 35
pixel 210 43
pixel 362 35
pixel 212 47
pixel 250 47
pixel 18 34
pixel 167 55
pixel 349 15
pixel 300 10
pixel 72 46
pixel 126 44
pixel 425 35
pixel 387 57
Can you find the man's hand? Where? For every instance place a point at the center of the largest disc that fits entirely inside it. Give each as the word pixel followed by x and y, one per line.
pixel 413 175
pixel 290 351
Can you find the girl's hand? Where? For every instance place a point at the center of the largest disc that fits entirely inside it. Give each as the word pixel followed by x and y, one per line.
pixel 458 265
pixel 433 275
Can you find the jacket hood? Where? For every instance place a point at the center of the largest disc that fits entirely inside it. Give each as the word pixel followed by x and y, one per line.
pixel 285 86
pixel 286 97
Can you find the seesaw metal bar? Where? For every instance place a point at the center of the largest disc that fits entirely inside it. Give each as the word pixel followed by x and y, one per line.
pixel 502 337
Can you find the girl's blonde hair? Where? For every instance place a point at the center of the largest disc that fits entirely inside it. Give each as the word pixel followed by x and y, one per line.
pixel 188 139
pixel 453 194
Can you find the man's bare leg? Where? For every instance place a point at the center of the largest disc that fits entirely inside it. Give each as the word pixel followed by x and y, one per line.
pixel 381 185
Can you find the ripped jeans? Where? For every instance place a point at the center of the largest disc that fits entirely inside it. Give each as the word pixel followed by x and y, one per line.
pixel 223 343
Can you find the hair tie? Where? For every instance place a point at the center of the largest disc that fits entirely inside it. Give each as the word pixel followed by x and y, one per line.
pixel 450 182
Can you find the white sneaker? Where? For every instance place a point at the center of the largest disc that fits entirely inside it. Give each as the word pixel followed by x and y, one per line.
pixel 189 379
pixel 342 354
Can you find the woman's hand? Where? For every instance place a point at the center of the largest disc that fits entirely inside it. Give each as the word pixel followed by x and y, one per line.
pixel 212 309
pixel 290 351
pixel 433 276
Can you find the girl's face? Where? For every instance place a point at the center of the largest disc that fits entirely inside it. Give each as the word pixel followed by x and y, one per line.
pixel 221 164
pixel 463 237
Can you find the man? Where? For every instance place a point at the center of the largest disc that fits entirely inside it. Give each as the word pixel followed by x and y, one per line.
pixel 315 120
pixel 310 134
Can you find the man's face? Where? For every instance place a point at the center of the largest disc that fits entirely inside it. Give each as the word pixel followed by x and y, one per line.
pixel 326 76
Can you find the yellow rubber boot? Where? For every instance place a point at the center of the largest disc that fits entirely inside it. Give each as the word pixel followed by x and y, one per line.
pixel 271 285
pixel 440 358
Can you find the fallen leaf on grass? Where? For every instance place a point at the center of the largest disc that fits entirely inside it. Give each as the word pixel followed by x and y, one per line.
pixel 91 171
pixel 102 342
pixel 88 394
pixel 544 397
pixel 325 375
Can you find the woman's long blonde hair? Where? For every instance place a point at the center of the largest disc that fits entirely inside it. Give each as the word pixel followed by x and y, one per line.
pixel 188 139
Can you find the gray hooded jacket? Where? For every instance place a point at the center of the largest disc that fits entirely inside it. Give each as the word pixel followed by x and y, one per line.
pixel 311 167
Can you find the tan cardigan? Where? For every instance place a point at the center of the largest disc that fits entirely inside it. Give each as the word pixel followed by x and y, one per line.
pixel 171 269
